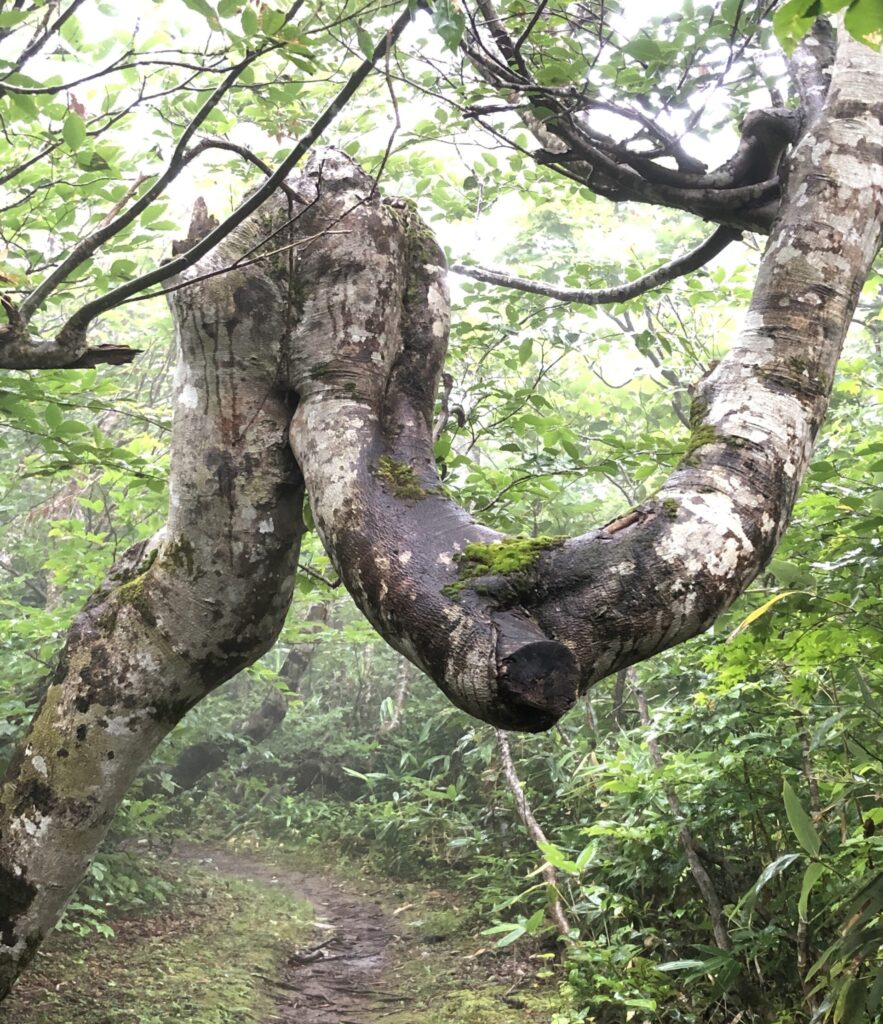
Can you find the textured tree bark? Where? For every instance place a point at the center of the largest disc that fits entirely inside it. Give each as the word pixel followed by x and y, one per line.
pixel 512 628
pixel 203 758
pixel 177 615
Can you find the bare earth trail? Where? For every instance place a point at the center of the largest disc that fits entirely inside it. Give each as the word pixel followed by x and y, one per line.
pixel 337 979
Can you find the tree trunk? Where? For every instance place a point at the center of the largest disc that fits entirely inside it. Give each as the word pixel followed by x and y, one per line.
pixel 347 319
pixel 177 615
pixel 200 759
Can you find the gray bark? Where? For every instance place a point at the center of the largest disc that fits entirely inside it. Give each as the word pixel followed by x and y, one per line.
pixel 513 647
pixel 203 758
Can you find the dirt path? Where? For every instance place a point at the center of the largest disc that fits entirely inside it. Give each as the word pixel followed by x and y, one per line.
pixel 337 978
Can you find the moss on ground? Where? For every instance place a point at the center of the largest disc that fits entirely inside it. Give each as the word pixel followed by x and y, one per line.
pixel 201 962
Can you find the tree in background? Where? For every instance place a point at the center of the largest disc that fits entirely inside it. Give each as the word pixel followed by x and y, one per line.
pixel 321 307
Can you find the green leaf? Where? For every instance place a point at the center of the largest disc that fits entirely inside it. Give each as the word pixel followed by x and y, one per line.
pixel 800 821
pixel 762 610
pixel 793 20
pixel 850 1005
pixel 558 859
pixel 205 9
pixel 449 22
pixel 788 573
pixel 9 19
pixel 366 43
pixel 813 873
pixel 681 965
pixel 535 921
pixel 271 21
pixel 864 21
pixel 507 940
pixel 643 49
pixel 249 22
pixel 770 872
pixel 524 350
pixel 74 130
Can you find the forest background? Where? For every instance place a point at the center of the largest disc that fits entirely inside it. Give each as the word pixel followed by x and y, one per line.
pixel 711 820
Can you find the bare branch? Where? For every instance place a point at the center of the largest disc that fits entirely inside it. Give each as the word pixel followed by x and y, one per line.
pixel 693 260
pixel 107 230
pixel 556 907
pixel 40 40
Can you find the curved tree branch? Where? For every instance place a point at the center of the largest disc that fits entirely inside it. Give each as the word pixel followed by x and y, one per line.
pixel 742 193
pixel 512 628
pixel 686 264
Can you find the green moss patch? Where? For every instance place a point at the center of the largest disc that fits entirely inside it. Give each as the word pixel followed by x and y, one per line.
pixel 400 479
pixel 500 558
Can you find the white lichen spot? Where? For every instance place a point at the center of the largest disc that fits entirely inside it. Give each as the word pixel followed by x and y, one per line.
pixel 122 725
pixel 266 526
pixel 188 396
pixel 445 559
pixel 39 764
pixel 405 557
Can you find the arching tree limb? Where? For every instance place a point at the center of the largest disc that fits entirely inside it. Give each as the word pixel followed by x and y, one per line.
pixel 512 628
pixel 678 267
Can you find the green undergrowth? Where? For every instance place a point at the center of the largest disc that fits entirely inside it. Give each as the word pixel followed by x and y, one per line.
pixel 201 959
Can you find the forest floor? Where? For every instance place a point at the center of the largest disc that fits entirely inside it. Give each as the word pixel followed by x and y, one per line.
pixel 269 937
